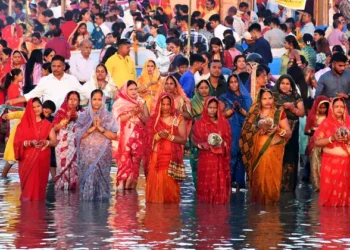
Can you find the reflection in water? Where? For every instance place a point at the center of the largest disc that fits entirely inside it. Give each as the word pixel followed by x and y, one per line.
pixel 127 221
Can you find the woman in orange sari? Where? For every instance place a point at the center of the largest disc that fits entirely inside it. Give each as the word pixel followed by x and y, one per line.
pixel 182 103
pixel 165 137
pixel 149 82
pixel 333 136
pixel 262 145
pixel 214 180
pixel 32 151
pixel 131 113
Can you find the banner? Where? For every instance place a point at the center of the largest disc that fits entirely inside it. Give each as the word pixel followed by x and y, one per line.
pixel 292 4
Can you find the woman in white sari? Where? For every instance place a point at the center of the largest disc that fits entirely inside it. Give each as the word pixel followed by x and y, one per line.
pixel 102 80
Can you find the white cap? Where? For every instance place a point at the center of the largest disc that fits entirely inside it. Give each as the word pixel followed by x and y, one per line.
pixel 247 36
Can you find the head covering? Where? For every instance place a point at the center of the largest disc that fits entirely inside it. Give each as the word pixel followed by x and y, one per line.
pixel 281 97
pixel 178 92
pixel 156 124
pixel 312 116
pixel 62 113
pixel 330 125
pixel 197 101
pixel 71 36
pixel 125 103
pixel 144 77
pixel 9 65
pixel 13 34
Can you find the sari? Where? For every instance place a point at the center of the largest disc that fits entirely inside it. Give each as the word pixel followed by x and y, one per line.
pixel 33 163
pixel 214 180
pixel 150 93
pixel 197 105
pixel 159 155
pixel 291 155
pixel 94 154
pixel 262 159
pixel 13 35
pixel 312 123
pixel 335 181
pixel 66 150
pixel 182 102
pixel 129 150
pixel 236 122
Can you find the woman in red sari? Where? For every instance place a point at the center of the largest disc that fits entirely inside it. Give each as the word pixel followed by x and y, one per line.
pixel 131 113
pixel 165 137
pixel 214 182
pixel 32 151
pixel 13 34
pixel 335 165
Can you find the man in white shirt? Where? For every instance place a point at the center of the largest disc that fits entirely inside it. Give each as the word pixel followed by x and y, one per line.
pixel 218 28
pixel 309 27
pixel 128 19
pixel 55 86
pixel 82 66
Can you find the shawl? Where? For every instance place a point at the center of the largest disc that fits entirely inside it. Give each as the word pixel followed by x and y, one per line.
pixel 179 95
pixel 83 123
pixel 29 129
pixel 249 130
pixel 281 98
pixel 125 103
pixel 205 126
pixel 330 125
pixel 155 124
pixel 62 113
pixel 312 116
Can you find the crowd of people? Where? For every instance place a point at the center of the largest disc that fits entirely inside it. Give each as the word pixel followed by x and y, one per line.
pixel 215 100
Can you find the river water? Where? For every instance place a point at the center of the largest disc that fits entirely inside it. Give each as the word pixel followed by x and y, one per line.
pixel 127 222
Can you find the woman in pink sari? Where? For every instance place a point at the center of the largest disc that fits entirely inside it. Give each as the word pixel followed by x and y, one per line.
pixel 131 113
pixel 66 149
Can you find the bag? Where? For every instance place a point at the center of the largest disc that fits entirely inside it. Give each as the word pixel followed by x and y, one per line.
pixel 177 171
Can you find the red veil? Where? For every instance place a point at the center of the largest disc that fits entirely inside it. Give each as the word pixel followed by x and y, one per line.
pixel 13 34
pixel 312 116
pixel 29 129
pixel 9 65
pixel 62 112
pixel 155 124
pixel 205 126
pixel 330 125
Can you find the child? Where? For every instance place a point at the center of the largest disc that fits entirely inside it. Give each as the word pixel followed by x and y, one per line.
pixel 46 69
pixel 9 155
pixel 12 84
pixel 317 114
pixel 181 68
pixel 49 108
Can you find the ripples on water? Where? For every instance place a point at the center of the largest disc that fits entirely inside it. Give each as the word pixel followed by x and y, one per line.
pixel 126 222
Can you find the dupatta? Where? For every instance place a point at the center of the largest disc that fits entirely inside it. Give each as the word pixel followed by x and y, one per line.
pixel 144 77
pixel 62 113
pixel 155 124
pixel 29 129
pixel 250 129
pixel 13 35
pixel 197 102
pixel 9 64
pixel 330 125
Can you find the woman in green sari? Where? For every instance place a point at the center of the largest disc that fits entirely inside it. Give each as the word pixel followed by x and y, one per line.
pixel 197 103
pixel 262 147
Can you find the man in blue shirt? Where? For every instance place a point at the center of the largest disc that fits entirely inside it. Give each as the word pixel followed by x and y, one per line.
pixel 261 46
pixel 187 80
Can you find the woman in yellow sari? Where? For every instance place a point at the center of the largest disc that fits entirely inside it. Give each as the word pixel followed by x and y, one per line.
pixel 149 82
pixel 262 145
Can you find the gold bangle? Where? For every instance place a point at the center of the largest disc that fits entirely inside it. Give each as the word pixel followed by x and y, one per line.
pixel 157 137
